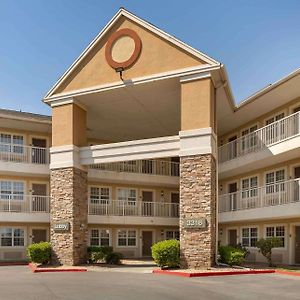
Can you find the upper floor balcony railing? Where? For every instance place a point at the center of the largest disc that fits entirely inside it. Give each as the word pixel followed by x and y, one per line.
pixel 261 138
pixel 284 192
pixel 24 203
pixel 150 167
pixel 133 208
pixel 24 154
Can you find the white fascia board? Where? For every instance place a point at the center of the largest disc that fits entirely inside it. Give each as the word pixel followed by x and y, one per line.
pixel 181 73
pixel 132 150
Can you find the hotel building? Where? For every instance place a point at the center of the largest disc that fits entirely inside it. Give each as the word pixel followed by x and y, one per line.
pixel 145 143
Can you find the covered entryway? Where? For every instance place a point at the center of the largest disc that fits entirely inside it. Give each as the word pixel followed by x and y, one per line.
pixel 147 240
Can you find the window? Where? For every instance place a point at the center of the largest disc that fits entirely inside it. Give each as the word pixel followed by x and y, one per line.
pixel 12 190
pixel 249 187
pixel 249 138
pixel 99 237
pixel 275 131
pixel 172 235
pixel 274 181
pixel 11 143
pixel 127 195
pixel 11 237
pixel 275 118
pixel 99 195
pixel 276 231
pixel 126 238
pixel 249 237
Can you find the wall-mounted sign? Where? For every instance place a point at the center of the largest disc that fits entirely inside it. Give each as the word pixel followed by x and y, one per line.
pixel 65 226
pixel 195 223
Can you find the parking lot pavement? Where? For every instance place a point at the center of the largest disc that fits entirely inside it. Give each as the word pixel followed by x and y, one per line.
pixel 17 282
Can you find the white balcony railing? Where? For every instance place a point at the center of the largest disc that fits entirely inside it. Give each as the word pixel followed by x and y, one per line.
pixel 24 203
pixel 24 154
pixel 151 167
pixel 270 195
pixel 134 208
pixel 261 138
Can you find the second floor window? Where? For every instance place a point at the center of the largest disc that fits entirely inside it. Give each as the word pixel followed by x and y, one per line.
pixel 11 143
pixel 275 181
pixel 127 195
pixel 249 138
pixel 99 195
pixel 12 190
pixel 249 187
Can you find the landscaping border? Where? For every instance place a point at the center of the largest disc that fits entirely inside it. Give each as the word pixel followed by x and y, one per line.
pixel 213 273
pixel 35 269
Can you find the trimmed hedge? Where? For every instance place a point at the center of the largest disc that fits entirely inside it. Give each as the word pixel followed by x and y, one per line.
pixel 40 252
pixel 232 255
pixel 166 253
pixel 104 254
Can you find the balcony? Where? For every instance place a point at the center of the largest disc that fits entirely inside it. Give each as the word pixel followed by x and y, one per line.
pixel 133 212
pixel 268 145
pixel 30 208
pixel 280 200
pixel 138 171
pixel 24 159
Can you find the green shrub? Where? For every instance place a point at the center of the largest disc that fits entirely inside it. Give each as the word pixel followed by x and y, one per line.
pixel 265 247
pixel 166 253
pixel 114 258
pixel 104 254
pixel 96 254
pixel 232 255
pixel 39 253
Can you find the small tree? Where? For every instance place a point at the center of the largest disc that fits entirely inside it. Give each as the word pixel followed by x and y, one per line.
pixel 265 247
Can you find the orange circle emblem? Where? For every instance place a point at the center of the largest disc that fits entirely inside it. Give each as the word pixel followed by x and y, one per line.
pixel 123 48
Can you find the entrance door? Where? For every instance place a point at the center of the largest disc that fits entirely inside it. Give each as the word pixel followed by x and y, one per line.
pixel 233 147
pixel 297 183
pixel 147 243
pixel 39 199
pixel 232 189
pixel 175 205
pixel 147 203
pixel 39 235
pixel 232 237
pixel 297 244
pixel 39 155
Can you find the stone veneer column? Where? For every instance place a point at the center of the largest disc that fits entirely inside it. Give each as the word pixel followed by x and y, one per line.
pixel 198 172
pixel 69 204
pixel 198 200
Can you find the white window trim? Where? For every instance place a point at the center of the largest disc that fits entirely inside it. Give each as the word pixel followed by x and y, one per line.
pixel 127 229
pixel 15 247
pixel 100 186
pixel 275 170
pixel 128 188
pixel 285 234
pixel 99 228
pixel 169 229
pixel 16 180
pixel 16 133
pixel 241 235
pixel 292 107
pixel 274 115
pixel 248 128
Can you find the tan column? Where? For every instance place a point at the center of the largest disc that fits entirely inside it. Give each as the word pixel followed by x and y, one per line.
pixel 68 206
pixel 197 174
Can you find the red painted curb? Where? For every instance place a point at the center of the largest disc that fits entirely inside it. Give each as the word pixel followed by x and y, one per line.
pixel 216 273
pixel 287 273
pixel 36 269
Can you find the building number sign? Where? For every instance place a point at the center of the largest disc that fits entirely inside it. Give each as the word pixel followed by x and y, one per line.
pixel 195 223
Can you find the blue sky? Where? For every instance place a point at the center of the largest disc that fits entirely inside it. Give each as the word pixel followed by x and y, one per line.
pixel 257 40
